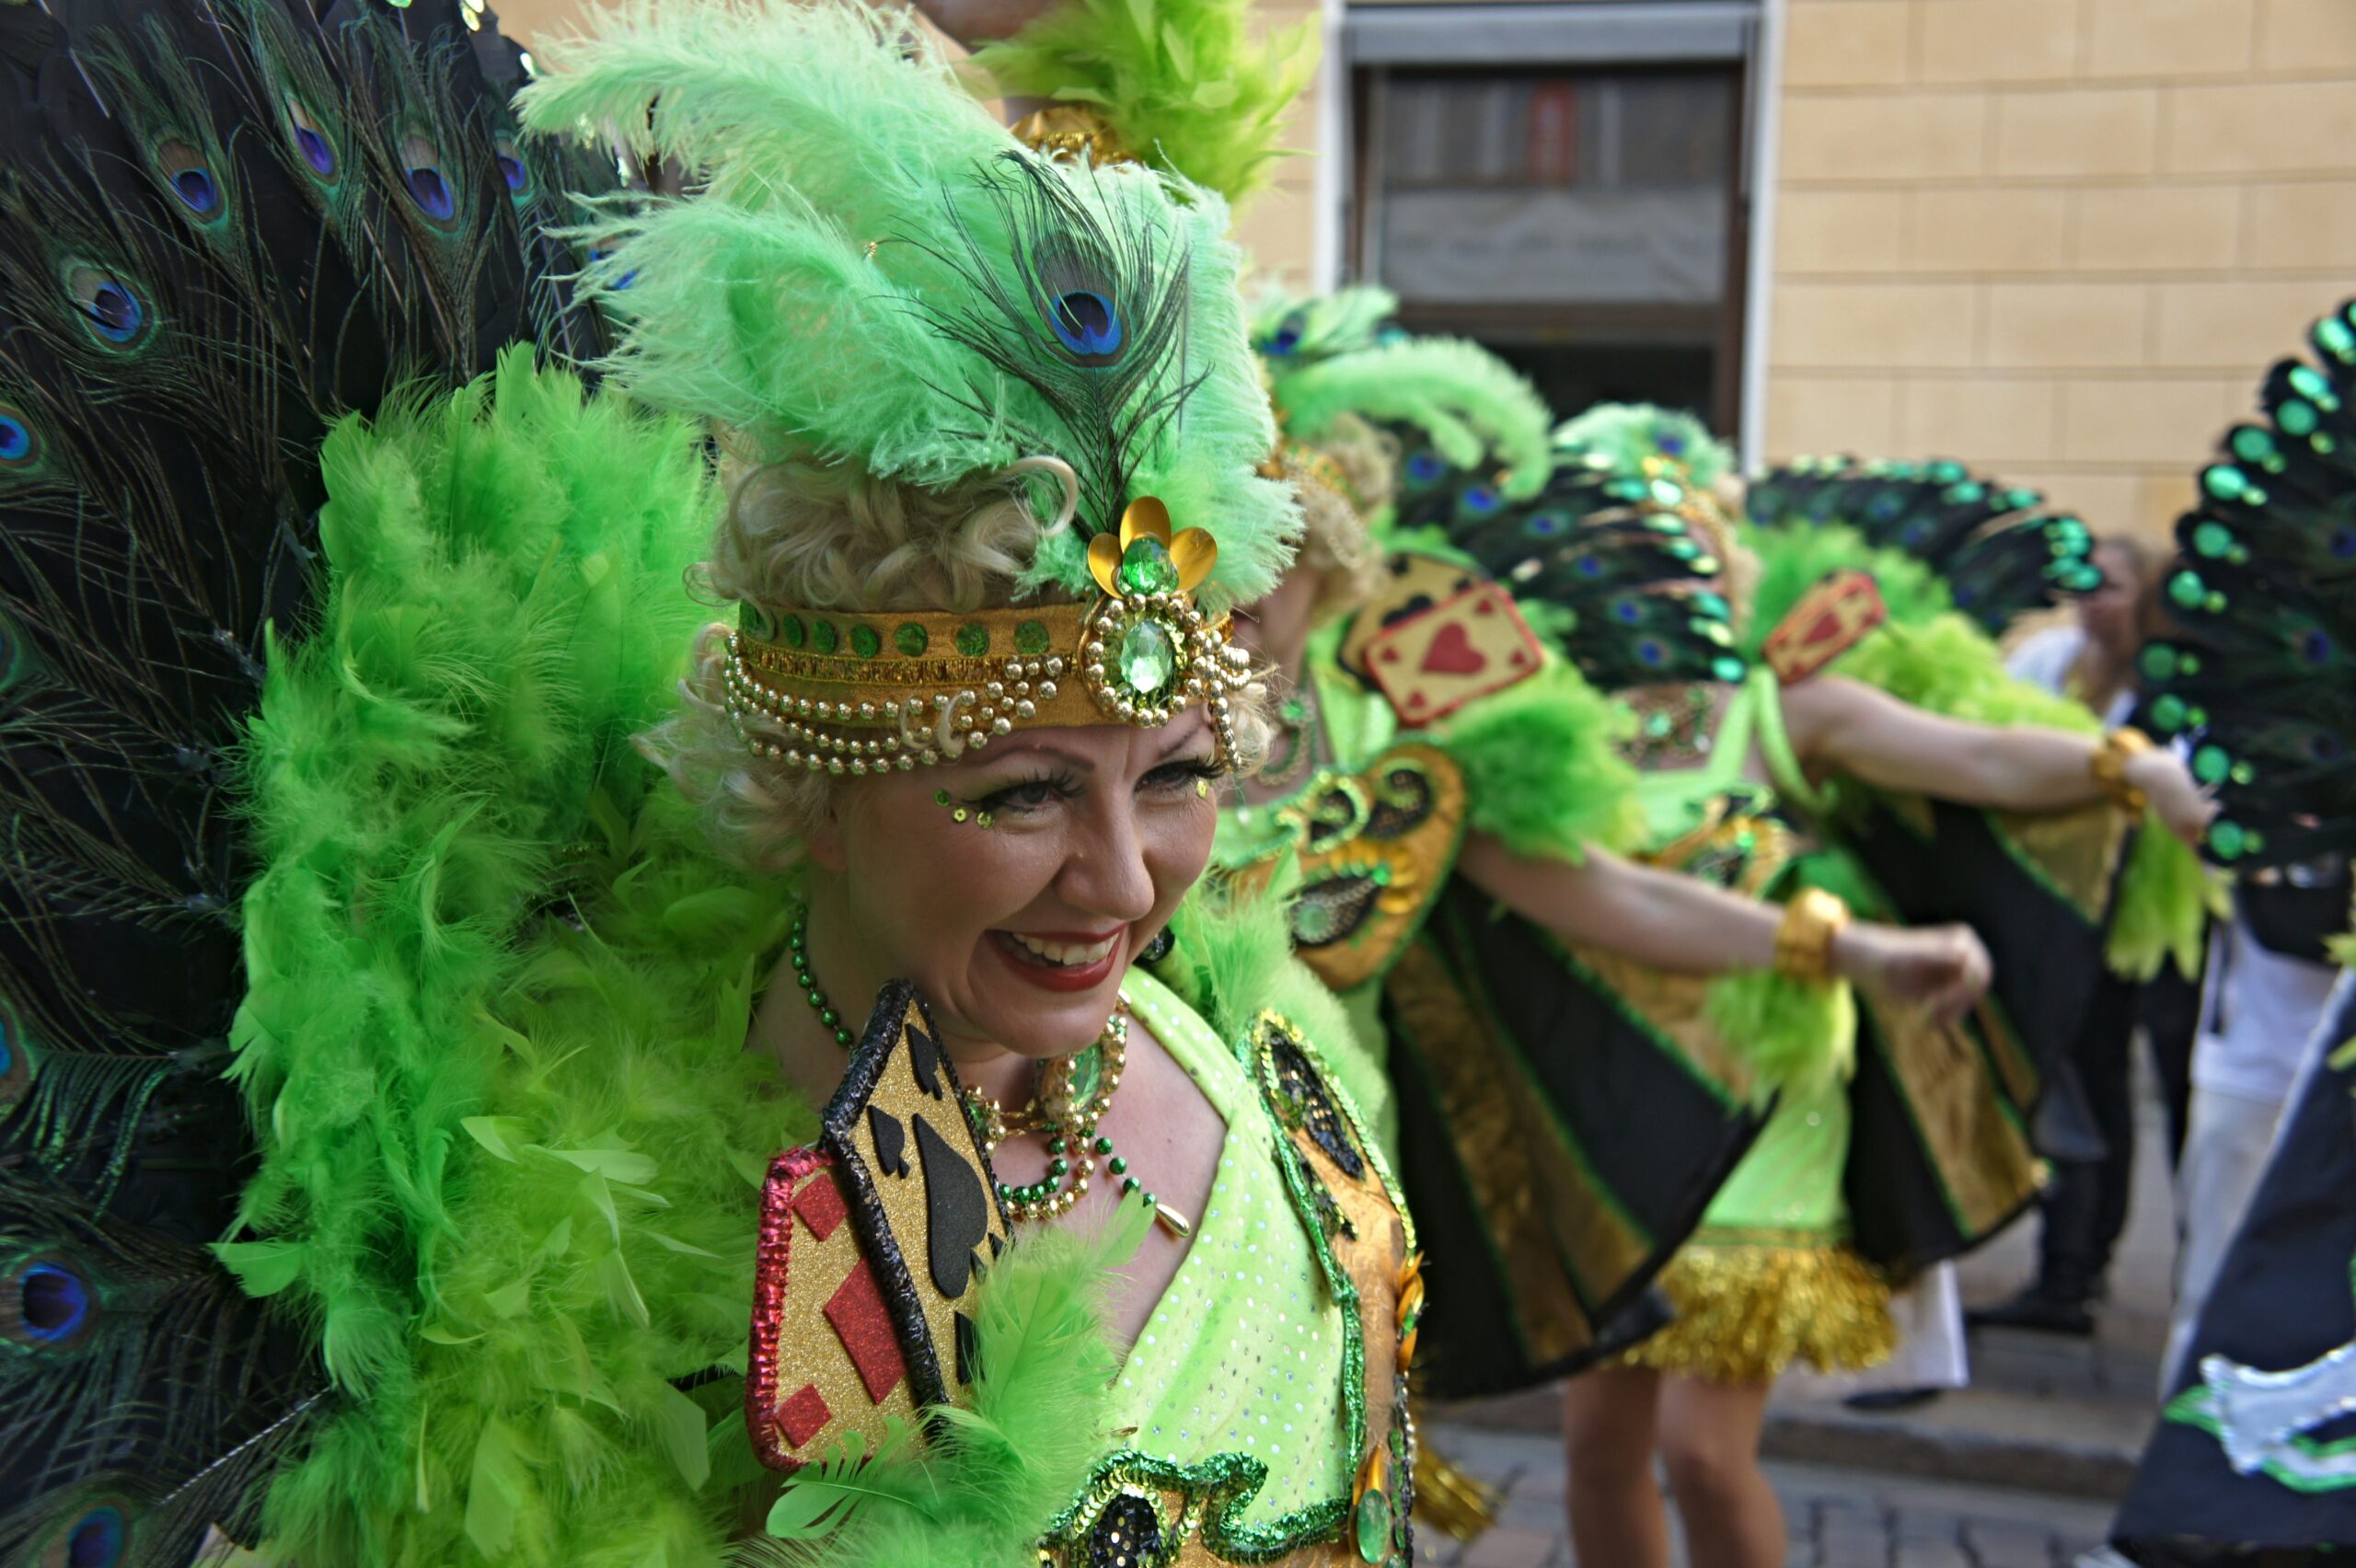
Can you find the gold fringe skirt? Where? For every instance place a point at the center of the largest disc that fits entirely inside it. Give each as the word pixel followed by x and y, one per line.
pixel 1746 1311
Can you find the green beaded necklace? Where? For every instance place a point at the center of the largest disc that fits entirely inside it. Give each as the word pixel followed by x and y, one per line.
pixel 1073 1094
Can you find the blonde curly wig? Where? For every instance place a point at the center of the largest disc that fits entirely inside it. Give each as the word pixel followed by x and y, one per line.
pixel 1346 474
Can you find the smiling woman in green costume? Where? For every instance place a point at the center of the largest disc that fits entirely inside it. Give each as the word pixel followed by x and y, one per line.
pixel 562 913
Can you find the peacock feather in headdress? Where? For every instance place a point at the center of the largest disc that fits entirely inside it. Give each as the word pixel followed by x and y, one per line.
pixel 874 272
pixel 2261 674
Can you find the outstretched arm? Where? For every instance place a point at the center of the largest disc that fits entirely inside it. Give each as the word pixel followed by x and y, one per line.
pixel 1849 727
pixel 1683 924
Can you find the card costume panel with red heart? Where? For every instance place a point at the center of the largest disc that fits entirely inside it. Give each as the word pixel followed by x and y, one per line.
pixel 1469 646
pixel 1830 619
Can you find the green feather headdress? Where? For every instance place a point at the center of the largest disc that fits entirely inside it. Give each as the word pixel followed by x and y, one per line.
pixel 1330 356
pixel 1624 438
pixel 1179 83
pixel 876 272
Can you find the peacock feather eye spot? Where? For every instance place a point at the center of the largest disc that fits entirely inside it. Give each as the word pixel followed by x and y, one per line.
pixel 2314 647
pixel 113 307
pixel 1651 653
pixel 429 188
pixel 1287 335
pixel 311 140
pixel 1627 612
pixel 1545 524
pixel 2334 336
pixel 2252 445
pixel 100 1537
pixel 1424 467
pixel 511 167
pixel 48 1306
pixel 1086 322
pixel 190 178
pixel 1670 444
pixel 1481 499
pixel 2342 545
pixel 1884 508
pixel 16 444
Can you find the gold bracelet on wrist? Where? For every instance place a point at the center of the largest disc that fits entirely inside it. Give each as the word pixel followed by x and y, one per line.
pixel 1804 941
pixel 2109 765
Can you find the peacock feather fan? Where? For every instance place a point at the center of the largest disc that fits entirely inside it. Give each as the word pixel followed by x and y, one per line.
pixel 2260 674
pixel 1179 82
pixel 876 272
pixel 1997 549
pixel 1335 355
pixel 1622 572
pixel 223 224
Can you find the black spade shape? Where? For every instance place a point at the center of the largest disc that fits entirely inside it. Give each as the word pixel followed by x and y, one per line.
pixel 924 1060
pixel 891 1141
pixel 956 1209
pixel 1415 606
pixel 969 1349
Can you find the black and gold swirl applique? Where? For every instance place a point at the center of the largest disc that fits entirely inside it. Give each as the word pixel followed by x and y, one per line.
pixel 1375 848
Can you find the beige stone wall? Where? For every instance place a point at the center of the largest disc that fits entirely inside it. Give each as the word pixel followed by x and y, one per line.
pixel 2057 238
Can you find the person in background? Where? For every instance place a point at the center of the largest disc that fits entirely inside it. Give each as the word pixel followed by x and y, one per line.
pixel 2093 659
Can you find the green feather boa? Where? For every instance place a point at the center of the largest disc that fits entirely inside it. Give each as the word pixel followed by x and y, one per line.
pixel 510 1167
pixel 1539 758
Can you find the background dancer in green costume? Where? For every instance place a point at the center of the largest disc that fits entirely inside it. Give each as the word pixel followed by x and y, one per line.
pixel 518 1026
pixel 1777 1269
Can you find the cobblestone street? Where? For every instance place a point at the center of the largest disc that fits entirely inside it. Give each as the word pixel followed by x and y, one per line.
pixel 1836 1518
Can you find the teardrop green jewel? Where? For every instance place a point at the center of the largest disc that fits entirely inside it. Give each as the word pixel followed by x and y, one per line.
pixel 1148 660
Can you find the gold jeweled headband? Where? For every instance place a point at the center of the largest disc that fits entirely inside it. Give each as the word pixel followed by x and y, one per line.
pixel 859 694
